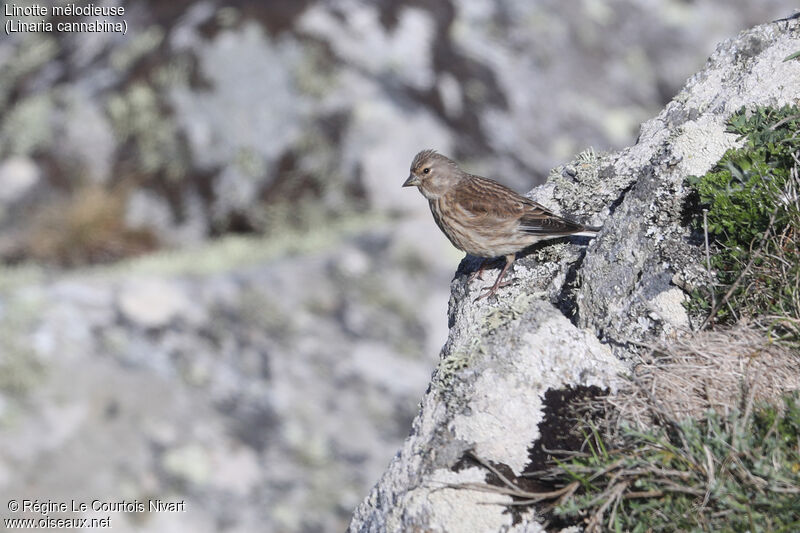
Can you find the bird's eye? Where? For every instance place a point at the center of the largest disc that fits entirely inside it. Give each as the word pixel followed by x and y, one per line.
pixel 426 170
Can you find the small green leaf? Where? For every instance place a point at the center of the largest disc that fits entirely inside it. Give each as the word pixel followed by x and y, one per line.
pixel 792 56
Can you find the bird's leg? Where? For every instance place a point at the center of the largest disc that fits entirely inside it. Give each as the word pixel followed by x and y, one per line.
pixel 509 261
pixel 478 273
pixel 484 263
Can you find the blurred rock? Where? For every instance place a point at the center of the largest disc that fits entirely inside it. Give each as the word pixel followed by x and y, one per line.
pixel 152 303
pixel 189 463
pixel 226 117
pixel 209 376
pixel 147 210
pixel 18 175
pixel 87 144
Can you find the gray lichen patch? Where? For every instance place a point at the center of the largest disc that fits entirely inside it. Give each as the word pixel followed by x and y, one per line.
pixel 138 117
pixel 571 185
pixel 20 367
pixel 26 127
pixel 699 144
pixel 535 350
pixel 453 507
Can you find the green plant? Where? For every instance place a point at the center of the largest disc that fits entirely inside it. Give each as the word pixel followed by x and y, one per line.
pixel 794 55
pixel 753 218
pixel 733 472
pixel 723 473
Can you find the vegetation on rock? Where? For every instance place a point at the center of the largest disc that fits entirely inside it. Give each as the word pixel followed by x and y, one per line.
pixel 734 472
pixel 753 219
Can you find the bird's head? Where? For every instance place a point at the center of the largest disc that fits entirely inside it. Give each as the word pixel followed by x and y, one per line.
pixel 432 173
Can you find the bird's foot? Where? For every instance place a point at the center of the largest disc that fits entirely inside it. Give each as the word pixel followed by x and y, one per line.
pixel 477 274
pixel 499 281
pixel 492 291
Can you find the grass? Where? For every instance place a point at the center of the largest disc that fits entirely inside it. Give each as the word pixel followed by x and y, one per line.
pixel 216 255
pixel 686 377
pixel 749 207
pixel 734 472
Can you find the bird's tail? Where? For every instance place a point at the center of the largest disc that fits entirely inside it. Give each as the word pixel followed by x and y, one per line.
pixel 588 231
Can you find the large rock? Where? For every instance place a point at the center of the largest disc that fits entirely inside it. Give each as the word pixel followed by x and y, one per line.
pixel 576 313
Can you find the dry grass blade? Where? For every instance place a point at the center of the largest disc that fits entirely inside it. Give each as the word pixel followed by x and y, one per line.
pixel 515 491
pixel 707 371
pixel 709 474
pixel 745 271
pixel 644 494
pixel 493 470
pixel 613 496
pixel 783 121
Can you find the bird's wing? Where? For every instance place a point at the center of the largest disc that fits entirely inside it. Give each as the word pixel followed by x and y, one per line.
pixel 541 221
pixel 483 198
pixel 486 199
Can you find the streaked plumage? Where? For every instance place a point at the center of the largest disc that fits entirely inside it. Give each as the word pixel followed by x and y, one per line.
pixel 482 217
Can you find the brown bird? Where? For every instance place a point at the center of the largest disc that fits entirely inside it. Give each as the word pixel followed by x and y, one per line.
pixel 482 217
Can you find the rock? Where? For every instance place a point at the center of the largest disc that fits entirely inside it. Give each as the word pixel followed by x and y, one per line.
pixel 378 365
pixel 87 142
pixel 190 463
pixel 235 469
pixel 152 303
pixel 644 245
pixel 385 161
pixel 568 321
pixel 668 307
pixel 18 175
pixel 145 210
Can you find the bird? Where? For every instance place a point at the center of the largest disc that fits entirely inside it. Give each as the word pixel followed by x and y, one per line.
pixel 483 217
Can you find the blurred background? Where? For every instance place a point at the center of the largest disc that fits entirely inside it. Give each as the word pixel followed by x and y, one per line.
pixel 213 288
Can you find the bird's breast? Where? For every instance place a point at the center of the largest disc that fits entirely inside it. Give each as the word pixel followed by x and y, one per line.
pixel 457 228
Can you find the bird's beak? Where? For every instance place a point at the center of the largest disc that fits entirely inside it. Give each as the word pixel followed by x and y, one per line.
pixel 412 181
